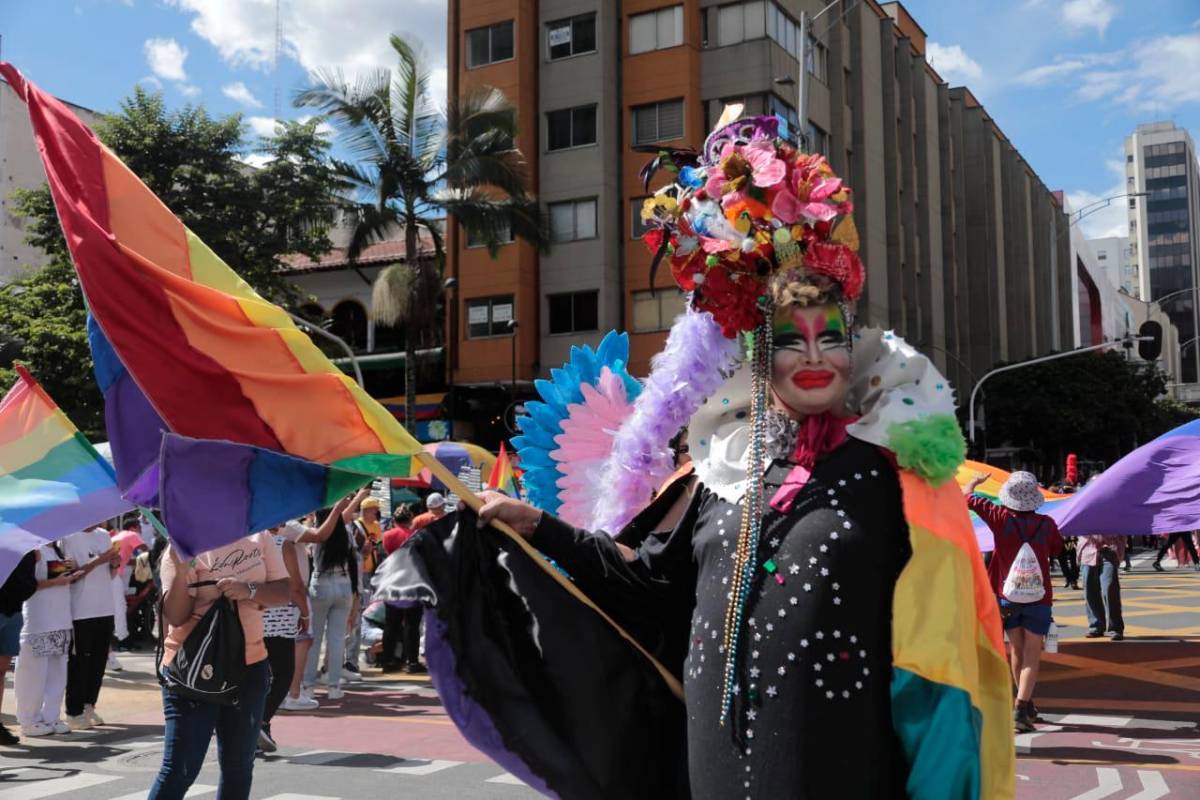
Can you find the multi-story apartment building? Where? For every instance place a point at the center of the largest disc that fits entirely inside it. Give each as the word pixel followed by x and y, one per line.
pixel 963 242
pixel 1164 227
pixel 1115 255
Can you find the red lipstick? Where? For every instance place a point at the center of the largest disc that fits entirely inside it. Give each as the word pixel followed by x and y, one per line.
pixel 812 378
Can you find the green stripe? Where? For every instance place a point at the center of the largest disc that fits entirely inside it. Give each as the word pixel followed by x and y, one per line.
pixel 339 483
pixel 58 461
pixel 393 466
pixel 939 731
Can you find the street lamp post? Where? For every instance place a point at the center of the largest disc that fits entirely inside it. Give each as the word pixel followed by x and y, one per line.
pixel 512 329
pixel 448 287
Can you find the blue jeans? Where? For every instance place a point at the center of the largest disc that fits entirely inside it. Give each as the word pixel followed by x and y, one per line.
pixel 189 728
pixel 1102 595
pixel 330 597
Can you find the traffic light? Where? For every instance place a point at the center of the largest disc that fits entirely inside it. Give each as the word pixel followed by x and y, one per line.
pixel 1150 344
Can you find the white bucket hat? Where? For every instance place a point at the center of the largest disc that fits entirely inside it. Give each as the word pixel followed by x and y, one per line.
pixel 1020 492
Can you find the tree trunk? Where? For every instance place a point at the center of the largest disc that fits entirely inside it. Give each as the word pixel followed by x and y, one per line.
pixel 412 259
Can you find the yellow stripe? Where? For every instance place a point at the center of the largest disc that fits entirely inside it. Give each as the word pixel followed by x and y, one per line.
pixel 209 270
pixel 935 635
pixel 33 446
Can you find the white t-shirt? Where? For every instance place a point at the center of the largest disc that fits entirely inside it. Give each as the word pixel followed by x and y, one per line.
pixel 281 621
pixel 91 596
pixel 48 609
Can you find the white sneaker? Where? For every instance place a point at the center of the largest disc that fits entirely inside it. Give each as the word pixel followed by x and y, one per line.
pixel 37 729
pixel 301 703
pixel 60 728
pixel 79 723
pixel 335 693
pixel 93 717
pixel 114 663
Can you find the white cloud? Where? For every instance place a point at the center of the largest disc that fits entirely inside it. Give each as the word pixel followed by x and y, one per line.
pixel 241 93
pixel 188 90
pixel 1110 220
pixel 953 63
pixel 318 33
pixel 261 126
pixel 151 84
pixel 256 160
pixel 1083 14
pixel 166 57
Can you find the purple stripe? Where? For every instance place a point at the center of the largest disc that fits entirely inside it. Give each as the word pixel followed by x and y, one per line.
pixel 471 719
pixel 206 504
pixel 14 544
pixel 91 509
pixel 134 431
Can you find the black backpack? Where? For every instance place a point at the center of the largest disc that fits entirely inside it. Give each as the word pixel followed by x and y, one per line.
pixel 211 663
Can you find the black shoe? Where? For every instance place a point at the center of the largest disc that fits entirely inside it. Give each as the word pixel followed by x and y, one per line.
pixel 1093 635
pixel 416 668
pixel 1034 714
pixel 1118 637
pixel 7 737
pixel 391 666
pixel 1158 567
pixel 1022 720
pixel 1128 568
pixel 265 743
pixel 348 667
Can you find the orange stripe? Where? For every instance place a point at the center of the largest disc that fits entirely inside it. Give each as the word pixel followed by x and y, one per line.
pixel 140 221
pixel 943 512
pixel 22 412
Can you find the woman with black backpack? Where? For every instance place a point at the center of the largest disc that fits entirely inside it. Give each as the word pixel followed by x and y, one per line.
pixel 214 668
pixel 331 589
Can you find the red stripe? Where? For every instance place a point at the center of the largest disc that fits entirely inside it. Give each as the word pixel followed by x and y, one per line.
pixel 183 384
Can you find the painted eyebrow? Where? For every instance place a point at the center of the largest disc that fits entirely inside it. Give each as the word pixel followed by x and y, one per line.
pixel 787 338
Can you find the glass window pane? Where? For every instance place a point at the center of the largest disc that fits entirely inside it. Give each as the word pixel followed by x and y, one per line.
pixel 562 222
pixel 671 305
pixel 585 219
pixel 756 22
pixel 559 39
pixel 587 312
pixel 584 35
pixel 560 313
pixel 670 120
pixel 665 27
pixel 645 312
pixel 642 32
pixel 558 124
pixel 774 22
pixel 730 29
pixel 478 47
pixel 791 38
pixel 502 41
pixel 645 125
pixel 678 15
pixel 583 125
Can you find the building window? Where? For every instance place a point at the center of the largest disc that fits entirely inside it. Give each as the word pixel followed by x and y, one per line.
pixel 489 316
pixel 572 220
pixel 489 45
pixel 658 122
pixel 816 60
pixel 656 311
pixel 818 140
pixel 1129 159
pixel 656 30
pixel 741 22
pixel 784 30
pixel 571 37
pixel 571 127
pixel 1133 202
pixel 477 239
pixel 574 312
pixel 349 322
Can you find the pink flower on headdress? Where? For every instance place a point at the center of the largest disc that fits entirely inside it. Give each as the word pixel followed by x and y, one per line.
pixel 768 167
pixel 808 195
pixel 756 162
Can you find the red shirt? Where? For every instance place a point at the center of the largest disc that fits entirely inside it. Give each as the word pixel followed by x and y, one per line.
pixel 394 538
pixel 428 518
pixel 1008 528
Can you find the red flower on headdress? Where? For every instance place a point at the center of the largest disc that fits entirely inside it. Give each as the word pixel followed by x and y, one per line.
pixel 837 262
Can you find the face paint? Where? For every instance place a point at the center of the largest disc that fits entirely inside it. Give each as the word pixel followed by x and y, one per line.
pixel 811 370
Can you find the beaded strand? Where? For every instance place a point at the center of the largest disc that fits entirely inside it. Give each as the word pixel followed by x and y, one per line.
pixel 745 555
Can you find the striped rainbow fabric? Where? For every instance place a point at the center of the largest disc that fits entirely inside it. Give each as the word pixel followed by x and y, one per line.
pixel 52 481
pixel 991 490
pixel 951 695
pixel 211 359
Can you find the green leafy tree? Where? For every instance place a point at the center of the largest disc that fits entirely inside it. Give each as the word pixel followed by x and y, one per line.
pixel 1098 406
pixel 250 216
pixel 410 166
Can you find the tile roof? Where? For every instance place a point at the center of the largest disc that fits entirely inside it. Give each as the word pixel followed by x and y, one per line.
pixel 385 252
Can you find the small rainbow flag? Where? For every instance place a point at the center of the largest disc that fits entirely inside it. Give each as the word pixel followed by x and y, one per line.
pixel 502 471
pixel 52 481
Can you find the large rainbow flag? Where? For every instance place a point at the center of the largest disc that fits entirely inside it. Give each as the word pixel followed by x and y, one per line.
pixel 991 490
pixel 52 481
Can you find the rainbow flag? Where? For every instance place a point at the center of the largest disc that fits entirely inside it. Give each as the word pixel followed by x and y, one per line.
pixel 208 357
pixel 52 481
pixel 502 471
pixel 1055 503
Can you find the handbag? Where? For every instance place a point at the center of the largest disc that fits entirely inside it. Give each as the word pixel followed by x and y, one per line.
pixel 211 662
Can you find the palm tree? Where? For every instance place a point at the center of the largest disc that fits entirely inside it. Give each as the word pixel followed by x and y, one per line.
pixel 413 165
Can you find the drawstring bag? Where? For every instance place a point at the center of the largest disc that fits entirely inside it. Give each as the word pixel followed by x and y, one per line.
pixel 1024 582
pixel 211 663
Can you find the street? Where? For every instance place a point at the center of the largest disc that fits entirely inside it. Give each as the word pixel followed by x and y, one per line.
pixel 1119 723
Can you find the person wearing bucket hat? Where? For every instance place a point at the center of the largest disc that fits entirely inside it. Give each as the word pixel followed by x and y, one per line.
pixel 794 605
pixel 1019 573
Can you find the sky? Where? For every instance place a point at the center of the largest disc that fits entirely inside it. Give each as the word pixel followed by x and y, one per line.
pixel 1066 80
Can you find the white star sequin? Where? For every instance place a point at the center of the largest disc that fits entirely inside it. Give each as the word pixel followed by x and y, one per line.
pixel 816 667
pixel 794 569
pixel 858 684
pixel 833 503
pixel 837 634
pixel 804 642
pixel 794 600
pixel 758 637
pixel 842 482
pixel 831 492
pixel 724 543
pixel 752 622
pixel 837 601
pixel 829 657
pixel 824 548
pixel 751 715
pixel 846 693
pixel 862 653
pixel 725 581
pixel 791 656
pixel 819 683
pixel 812 559
pixel 749 735
pixel 866 671
pixel 833 535
pixel 875 473
pixel 858 476
pixel 820 635
pixel 770 626
pixel 783 670
pixel 846 524
pixel 754 672
pixel 829 694
pixel 808 587
pixel 754 654
pixel 774 543
pixel 824 572
pixel 836 587
pixel 772 691
pixel 782 612
pixel 841 513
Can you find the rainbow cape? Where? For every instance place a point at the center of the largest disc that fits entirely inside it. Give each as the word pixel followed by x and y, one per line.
pixel 52 481
pixel 951 687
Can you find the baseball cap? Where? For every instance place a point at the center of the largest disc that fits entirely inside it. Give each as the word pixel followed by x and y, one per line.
pixel 434 500
pixel 370 502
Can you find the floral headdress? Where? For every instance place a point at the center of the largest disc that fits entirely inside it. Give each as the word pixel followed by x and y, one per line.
pixel 748 207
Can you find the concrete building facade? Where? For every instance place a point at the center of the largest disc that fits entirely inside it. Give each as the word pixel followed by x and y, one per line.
pixel 965 247
pixel 1115 254
pixel 1164 228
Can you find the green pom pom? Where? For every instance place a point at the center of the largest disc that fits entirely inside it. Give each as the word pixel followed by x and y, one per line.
pixel 932 447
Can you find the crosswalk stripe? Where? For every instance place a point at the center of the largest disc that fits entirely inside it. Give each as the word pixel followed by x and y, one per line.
pixel 1153 786
pixel 1109 783
pixel 197 790
pixel 421 768
pixel 1024 741
pixel 35 790
pixel 291 796
pixel 1095 719
pixel 508 778
pixel 315 758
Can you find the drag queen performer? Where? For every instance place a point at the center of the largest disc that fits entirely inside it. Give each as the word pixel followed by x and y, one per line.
pixel 814 587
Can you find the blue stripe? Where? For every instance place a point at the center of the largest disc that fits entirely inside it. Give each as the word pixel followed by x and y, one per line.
pixel 283 487
pixel 940 733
